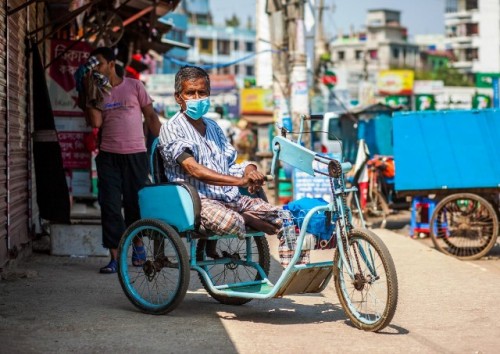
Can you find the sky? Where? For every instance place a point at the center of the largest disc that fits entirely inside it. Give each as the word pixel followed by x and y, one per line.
pixel 419 16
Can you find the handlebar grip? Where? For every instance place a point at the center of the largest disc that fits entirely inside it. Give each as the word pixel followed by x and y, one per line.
pixel 316 117
pixel 268 178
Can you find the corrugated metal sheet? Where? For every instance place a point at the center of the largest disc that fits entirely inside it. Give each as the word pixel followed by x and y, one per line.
pixel 3 154
pixel 15 119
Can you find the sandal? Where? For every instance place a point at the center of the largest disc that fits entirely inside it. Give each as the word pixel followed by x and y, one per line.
pixel 138 256
pixel 111 268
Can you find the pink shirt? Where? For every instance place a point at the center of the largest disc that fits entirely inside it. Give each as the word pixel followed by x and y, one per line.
pixel 122 131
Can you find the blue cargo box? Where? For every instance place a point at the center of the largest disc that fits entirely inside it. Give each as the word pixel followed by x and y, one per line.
pixel 447 150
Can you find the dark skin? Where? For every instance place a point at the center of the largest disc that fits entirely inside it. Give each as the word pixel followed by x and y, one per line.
pixel 253 179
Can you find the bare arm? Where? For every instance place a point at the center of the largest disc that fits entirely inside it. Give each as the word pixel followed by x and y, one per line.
pixel 151 118
pixel 209 176
pixel 94 117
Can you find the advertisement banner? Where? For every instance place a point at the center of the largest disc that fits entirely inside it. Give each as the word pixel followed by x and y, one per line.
pixel 425 103
pixel 481 101
pixel 257 101
pixel 486 79
pixel 396 101
pixel 395 82
pixel 73 151
pixel 61 83
pixel 428 87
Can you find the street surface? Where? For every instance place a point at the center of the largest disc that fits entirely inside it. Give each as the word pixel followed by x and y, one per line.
pixel 59 305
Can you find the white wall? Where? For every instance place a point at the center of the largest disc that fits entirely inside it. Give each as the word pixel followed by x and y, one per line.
pixel 489 37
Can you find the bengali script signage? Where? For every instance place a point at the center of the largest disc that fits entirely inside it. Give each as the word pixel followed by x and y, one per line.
pixel 395 82
pixel 66 57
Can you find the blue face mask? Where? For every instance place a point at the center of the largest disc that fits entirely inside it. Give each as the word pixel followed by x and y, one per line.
pixel 196 109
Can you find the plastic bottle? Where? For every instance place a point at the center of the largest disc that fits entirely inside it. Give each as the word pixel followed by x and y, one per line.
pixel 289 228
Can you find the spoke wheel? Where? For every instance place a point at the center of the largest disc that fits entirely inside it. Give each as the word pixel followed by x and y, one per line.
pixel 159 285
pixel 238 270
pixel 369 296
pixel 106 28
pixel 464 226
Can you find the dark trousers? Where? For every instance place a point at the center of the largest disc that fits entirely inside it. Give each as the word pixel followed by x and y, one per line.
pixel 120 176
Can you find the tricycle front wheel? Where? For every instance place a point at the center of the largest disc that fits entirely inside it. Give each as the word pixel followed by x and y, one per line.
pixel 159 279
pixel 366 283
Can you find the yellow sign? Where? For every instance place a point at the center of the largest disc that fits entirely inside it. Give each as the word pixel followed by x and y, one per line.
pixel 257 101
pixel 395 82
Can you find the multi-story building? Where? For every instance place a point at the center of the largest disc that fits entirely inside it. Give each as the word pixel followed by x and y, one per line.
pixel 473 34
pixel 384 45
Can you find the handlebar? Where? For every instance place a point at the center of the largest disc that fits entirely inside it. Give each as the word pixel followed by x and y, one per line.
pixel 314 117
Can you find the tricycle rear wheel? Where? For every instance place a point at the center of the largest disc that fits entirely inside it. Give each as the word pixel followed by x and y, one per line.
pixel 464 225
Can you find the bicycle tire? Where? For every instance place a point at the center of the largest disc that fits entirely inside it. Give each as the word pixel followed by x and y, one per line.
pixel 165 272
pixel 352 292
pixel 230 273
pixel 464 226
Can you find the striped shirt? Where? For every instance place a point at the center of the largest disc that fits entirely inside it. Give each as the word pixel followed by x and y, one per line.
pixel 213 151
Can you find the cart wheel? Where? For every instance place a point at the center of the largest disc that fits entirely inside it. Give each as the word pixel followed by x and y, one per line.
pixel 367 283
pixel 464 226
pixel 237 271
pixel 376 210
pixel 160 283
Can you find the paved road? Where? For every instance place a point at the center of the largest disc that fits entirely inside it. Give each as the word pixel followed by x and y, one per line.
pixel 445 306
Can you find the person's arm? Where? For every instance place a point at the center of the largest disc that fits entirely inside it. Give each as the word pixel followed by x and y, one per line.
pixel 94 117
pixel 209 176
pixel 151 119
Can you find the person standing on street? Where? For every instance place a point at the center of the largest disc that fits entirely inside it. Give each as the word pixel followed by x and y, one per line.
pixel 122 163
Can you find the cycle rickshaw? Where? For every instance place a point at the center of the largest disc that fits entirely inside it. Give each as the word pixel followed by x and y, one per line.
pixel 361 267
pixel 453 155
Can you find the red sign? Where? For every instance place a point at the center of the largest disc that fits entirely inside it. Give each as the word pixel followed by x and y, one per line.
pixel 73 151
pixel 70 55
pixel 329 79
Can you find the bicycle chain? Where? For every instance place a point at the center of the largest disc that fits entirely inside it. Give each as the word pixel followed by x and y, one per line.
pixel 335 172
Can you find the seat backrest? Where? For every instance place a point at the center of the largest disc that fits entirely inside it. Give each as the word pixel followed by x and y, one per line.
pixel 156 166
pixel 175 203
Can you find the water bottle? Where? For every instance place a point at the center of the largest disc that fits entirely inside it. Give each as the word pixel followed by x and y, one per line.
pixel 289 228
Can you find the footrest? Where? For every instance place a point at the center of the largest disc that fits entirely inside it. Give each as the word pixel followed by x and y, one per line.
pixel 306 280
pixel 263 288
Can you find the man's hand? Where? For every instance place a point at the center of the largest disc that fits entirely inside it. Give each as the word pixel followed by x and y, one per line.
pixel 255 178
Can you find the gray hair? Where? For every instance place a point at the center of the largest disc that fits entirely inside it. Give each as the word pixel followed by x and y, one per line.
pixel 189 72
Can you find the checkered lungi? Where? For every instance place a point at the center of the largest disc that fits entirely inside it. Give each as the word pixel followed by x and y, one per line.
pixel 224 218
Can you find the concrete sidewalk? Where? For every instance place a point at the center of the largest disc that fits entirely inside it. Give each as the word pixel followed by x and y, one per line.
pixel 64 305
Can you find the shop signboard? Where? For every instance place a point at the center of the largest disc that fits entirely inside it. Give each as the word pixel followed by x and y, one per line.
pixel 66 57
pixel 395 82
pixel 396 101
pixel 257 101
pixel 425 102
pixel 496 93
pixel 486 79
pixel 481 101
pixel 428 87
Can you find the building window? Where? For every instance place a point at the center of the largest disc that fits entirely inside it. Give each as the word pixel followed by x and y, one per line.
pixel 472 29
pixel 249 70
pixel 249 46
pixel 471 54
pixel 341 55
pixel 223 47
pixel 191 41
pixel 395 53
pixel 236 69
pixel 358 54
pixel 206 46
pixel 236 45
pixel 471 5
pixel 451 6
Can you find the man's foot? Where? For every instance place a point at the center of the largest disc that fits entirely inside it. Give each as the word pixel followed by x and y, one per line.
pixel 111 268
pixel 211 249
pixel 138 256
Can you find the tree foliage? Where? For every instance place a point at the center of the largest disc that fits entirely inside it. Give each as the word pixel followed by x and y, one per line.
pixel 233 21
pixel 449 75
